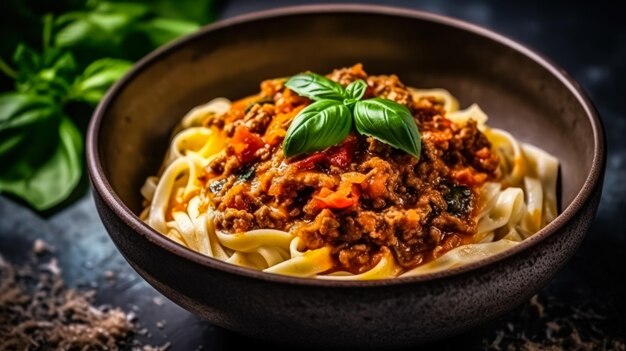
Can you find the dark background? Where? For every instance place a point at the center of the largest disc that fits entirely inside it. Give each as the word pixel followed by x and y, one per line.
pixel 588 40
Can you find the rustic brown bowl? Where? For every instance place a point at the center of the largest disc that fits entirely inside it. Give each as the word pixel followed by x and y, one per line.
pixel 521 91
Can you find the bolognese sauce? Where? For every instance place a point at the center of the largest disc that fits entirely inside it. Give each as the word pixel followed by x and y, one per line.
pixel 361 197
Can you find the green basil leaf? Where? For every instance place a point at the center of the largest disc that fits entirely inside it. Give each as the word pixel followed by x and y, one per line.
pixel 349 102
pixel 197 11
pixel 19 115
pixel 162 30
pixel 95 30
pixel 97 79
pixel 132 9
pixel 26 60
pixel 49 74
pixel 103 27
pixel 389 122
pixel 322 124
pixel 22 110
pixel 40 150
pixel 59 60
pixel 315 87
pixel 356 90
pixel 46 171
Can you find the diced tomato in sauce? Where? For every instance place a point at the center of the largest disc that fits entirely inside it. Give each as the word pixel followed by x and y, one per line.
pixel 245 144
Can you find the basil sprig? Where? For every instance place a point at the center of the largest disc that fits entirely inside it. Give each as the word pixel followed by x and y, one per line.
pixel 87 46
pixel 329 119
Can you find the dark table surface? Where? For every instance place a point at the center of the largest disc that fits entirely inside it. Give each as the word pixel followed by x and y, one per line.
pixel 588 40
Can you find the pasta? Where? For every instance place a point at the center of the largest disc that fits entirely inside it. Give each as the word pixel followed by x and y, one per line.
pixel 497 208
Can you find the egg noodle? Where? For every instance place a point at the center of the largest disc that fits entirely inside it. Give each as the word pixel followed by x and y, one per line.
pixel 516 207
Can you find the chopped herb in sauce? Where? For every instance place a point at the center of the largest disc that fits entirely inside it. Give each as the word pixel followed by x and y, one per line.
pixel 459 200
pixel 246 173
pixel 217 186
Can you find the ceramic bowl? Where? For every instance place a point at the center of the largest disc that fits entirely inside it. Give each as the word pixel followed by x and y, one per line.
pixel 520 91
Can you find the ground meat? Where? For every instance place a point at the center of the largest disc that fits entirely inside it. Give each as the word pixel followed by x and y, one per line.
pixel 472 145
pixel 426 110
pixel 390 87
pixel 258 118
pixel 322 229
pixel 235 220
pixel 358 258
pixel 345 76
pixel 379 170
pixel 269 217
pixel 390 202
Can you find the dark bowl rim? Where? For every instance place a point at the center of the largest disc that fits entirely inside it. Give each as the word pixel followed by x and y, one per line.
pixel 103 188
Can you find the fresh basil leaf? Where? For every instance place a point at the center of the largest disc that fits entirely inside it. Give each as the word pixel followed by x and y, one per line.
pixel 97 79
pixel 103 27
pixel 132 9
pixel 26 60
pixel 22 110
pixel 197 11
pixel 356 90
pixel 55 77
pixel 59 60
pixel 322 124
pixel 162 30
pixel 25 123
pixel 46 181
pixel 315 87
pixel 40 150
pixel 49 74
pixel 349 102
pixel 11 142
pixel 388 122
pixel 19 114
pixel 101 31
pixel 105 65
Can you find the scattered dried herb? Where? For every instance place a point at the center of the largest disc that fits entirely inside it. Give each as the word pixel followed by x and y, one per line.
pixel 549 325
pixel 38 312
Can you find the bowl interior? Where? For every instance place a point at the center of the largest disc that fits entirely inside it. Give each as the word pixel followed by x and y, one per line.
pixel 516 92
